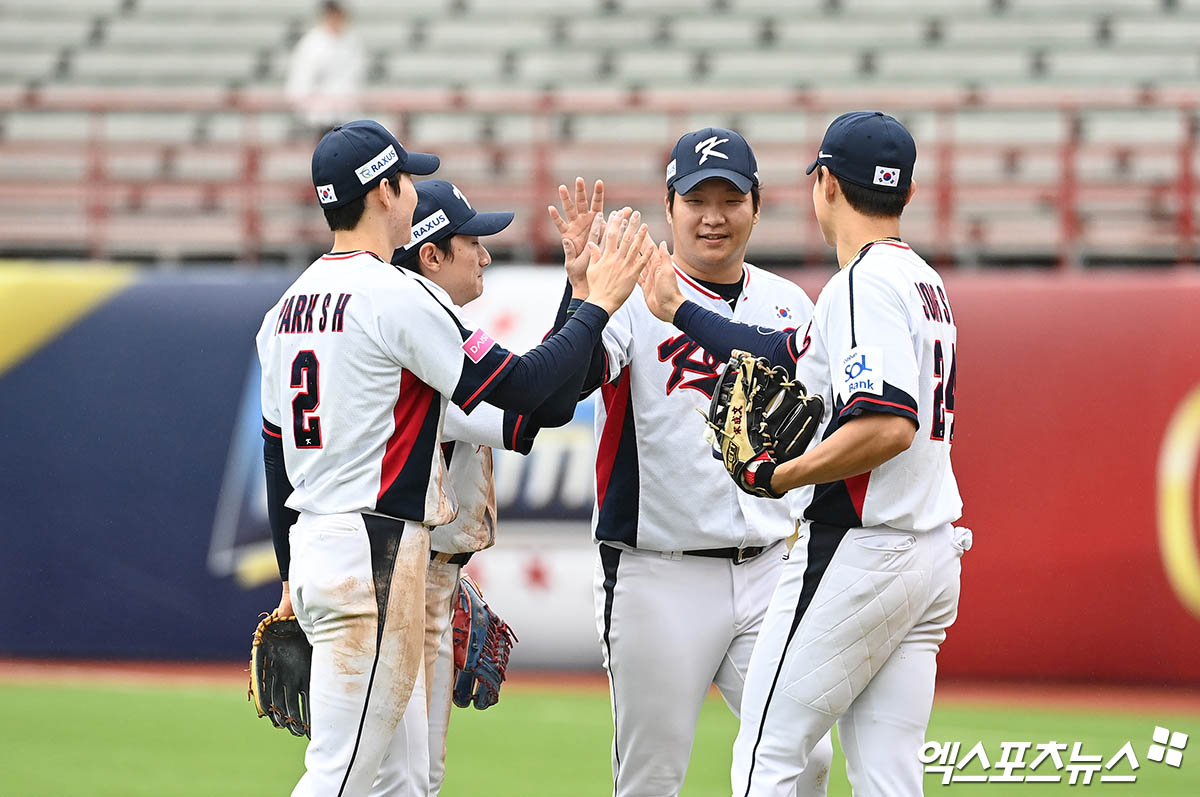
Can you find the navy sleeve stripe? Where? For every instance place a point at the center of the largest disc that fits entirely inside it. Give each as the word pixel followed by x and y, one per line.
pixel 271 430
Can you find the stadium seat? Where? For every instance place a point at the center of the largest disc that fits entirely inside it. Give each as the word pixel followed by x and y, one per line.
pixel 482 33
pixel 231 10
pixel 903 8
pixel 729 32
pixel 1138 127
pixel 435 128
pixel 623 127
pixel 1018 33
pixel 137 34
pixel 47 126
pixel 263 127
pixel 559 67
pixel 1156 31
pixel 780 68
pixel 219 163
pixel 434 68
pixel 36 33
pixel 1123 66
pixel 43 9
pixel 831 33
pixel 952 65
pixel 538 8
pixel 1010 127
pixel 22 66
pixel 612 32
pixel 104 67
pixel 655 68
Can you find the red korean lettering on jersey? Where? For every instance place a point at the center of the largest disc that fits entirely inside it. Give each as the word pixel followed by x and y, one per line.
pixel 687 357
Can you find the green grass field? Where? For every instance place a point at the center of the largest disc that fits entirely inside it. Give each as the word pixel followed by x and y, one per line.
pixel 121 741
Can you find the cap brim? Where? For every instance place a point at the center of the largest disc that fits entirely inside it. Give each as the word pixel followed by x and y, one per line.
pixel 740 181
pixel 485 224
pixel 421 163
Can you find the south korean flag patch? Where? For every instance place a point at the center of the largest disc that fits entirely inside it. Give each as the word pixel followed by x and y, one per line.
pixel 887 175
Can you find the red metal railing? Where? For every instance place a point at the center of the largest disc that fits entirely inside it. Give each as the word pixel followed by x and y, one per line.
pixel 1160 212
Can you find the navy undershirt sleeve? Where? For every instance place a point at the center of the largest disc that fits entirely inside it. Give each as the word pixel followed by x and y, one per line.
pixel 719 336
pixel 559 408
pixel 535 375
pixel 279 489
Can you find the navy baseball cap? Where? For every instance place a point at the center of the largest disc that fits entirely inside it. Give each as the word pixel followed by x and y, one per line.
pixel 870 149
pixel 712 152
pixel 442 211
pixel 353 158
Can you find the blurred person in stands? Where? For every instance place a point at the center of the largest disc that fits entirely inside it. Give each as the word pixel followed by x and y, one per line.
pixel 326 72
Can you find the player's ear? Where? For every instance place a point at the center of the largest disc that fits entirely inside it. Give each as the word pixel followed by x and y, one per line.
pixel 430 258
pixel 831 186
pixel 912 192
pixel 667 208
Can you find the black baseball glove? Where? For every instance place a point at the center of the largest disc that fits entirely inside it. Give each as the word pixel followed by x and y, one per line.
pixel 761 416
pixel 280 662
pixel 482 644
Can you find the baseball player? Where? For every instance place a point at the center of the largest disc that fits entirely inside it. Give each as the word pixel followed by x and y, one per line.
pixel 450 259
pixel 359 360
pixel 686 562
pixel 854 627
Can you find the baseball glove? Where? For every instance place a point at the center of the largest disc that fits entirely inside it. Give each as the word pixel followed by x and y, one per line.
pixel 761 416
pixel 280 661
pixel 482 644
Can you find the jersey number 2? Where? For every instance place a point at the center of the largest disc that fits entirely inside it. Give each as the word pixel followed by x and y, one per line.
pixel 306 374
pixel 943 393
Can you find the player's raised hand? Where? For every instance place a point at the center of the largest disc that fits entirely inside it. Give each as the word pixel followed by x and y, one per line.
pixel 574 223
pixel 617 263
pixel 660 286
pixel 577 258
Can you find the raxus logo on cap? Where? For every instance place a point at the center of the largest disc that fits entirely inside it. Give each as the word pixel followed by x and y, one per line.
pixel 442 211
pixel 353 158
pixel 870 149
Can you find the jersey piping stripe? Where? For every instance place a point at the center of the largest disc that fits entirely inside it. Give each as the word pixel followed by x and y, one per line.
pixel 907 409
pixel 823 542
pixel 271 429
pixel 610 560
pixel 412 406
pixel 469 403
pixel 516 432
pixel 791 346
pixel 616 402
pixel 349 255
pixel 856 486
pixel 380 554
pixel 699 288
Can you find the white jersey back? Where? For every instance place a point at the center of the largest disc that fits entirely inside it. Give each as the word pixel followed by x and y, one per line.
pixel 883 335
pixel 358 359
pixel 658 485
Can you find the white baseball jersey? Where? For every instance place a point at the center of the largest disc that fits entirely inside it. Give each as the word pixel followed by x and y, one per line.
pixel 883 336
pixel 658 485
pixel 358 359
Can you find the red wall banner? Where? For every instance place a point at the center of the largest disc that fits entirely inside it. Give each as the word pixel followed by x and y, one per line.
pixel 1077 428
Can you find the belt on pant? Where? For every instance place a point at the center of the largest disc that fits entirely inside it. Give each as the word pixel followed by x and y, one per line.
pixel 451 558
pixel 738 555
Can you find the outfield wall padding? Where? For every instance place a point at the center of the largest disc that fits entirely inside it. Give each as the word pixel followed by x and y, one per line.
pixel 133 513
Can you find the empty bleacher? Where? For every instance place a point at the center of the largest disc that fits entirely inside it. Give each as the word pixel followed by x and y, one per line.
pixel 954 70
